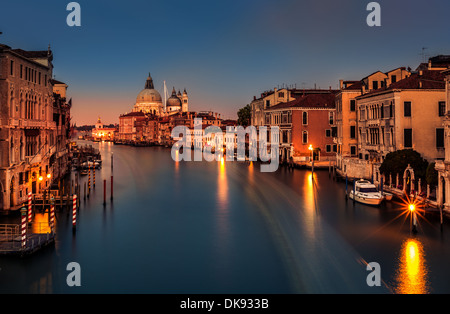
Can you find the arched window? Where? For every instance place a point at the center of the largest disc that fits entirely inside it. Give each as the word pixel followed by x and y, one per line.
pixel 305 137
pixel 305 118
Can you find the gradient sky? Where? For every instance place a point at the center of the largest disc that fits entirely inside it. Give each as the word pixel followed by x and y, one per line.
pixel 222 52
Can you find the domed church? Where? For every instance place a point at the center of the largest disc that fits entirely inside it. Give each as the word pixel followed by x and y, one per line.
pixel 149 101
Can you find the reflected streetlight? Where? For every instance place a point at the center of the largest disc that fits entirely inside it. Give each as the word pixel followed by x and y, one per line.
pixel 311 149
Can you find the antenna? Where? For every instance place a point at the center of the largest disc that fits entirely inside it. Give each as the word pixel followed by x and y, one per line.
pixel 423 54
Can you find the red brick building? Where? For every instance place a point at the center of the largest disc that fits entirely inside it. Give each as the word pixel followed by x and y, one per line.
pixel 306 122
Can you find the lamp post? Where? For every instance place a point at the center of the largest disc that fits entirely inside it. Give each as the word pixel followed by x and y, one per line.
pixel 412 209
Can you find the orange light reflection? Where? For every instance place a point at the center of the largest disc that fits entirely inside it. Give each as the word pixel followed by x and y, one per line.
pixel 412 274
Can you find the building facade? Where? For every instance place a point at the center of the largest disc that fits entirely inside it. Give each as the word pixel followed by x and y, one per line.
pixel 306 125
pixel 34 125
pixel 443 166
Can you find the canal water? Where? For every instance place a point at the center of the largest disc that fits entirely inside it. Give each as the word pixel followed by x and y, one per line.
pixel 226 227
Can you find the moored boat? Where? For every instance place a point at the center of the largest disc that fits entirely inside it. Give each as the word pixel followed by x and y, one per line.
pixel 366 193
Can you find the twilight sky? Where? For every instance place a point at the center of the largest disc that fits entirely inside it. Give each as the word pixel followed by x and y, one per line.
pixel 222 52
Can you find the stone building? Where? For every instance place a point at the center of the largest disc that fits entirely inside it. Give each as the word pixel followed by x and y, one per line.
pixel 407 114
pixel 34 125
pixel 443 166
pixel 102 133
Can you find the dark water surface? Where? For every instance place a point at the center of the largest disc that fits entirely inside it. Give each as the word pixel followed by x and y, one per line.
pixel 225 227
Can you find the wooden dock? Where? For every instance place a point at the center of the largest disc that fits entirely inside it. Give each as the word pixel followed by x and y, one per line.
pixel 10 241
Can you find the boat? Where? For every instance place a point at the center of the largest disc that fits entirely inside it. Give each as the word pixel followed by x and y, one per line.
pixel 366 193
pixel 388 196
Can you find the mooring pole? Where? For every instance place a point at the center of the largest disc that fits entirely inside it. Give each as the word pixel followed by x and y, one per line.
pixel 104 192
pixel 112 185
pixel 23 227
pixel 74 212
pixel 29 207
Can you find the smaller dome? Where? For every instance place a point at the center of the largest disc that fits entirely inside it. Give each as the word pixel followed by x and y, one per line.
pixel 173 102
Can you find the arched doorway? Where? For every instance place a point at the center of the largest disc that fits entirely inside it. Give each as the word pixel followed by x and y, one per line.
pixel 408 180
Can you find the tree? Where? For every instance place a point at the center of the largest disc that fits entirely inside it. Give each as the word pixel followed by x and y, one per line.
pixel 244 115
pixel 432 175
pixel 396 162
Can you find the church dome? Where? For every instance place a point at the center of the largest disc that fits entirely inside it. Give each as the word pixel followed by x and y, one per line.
pixel 149 93
pixel 174 103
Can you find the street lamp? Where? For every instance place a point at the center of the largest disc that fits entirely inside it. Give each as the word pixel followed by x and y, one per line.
pixel 412 209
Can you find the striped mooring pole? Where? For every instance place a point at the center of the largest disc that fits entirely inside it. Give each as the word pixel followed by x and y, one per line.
pixel 52 217
pixel 89 179
pixel 93 169
pixel 74 211
pixel 29 207
pixel 23 227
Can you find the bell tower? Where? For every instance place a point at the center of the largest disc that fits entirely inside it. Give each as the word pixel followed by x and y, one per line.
pixel 185 101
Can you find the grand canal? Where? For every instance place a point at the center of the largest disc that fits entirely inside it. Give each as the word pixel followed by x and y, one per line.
pixel 226 227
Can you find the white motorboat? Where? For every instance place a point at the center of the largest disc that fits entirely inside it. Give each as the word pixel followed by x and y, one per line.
pixel 366 193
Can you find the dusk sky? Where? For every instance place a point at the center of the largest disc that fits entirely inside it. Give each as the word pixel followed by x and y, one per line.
pixel 222 52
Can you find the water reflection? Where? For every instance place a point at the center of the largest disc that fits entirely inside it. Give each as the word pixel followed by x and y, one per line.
pixel 41 224
pixel 222 186
pixel 412 273
pixel 309 200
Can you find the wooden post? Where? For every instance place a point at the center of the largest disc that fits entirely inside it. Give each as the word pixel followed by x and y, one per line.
pixel 112 185
pixel 93 169
pixel 84 190
pixel 104 192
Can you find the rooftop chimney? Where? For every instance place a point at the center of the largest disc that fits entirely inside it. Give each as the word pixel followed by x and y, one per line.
pixel 341 84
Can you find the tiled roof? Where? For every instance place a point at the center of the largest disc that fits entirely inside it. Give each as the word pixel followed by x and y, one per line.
pixel 309 101
pixel 426 79
pixel 31 54
pixel 355 86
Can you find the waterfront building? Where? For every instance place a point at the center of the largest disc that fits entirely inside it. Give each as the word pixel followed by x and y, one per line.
pixel 443 166
pixel 34 125
pixel 347 137
pixel 127 126
pixel 406 114
pixel 268 99
pixel 306 124
pixel 102 133
pixel 346 121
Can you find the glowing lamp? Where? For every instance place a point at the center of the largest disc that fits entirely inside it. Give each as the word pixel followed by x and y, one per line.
pixel 41 178
pixel 412 207
pixel 310 147
pixel 49 175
